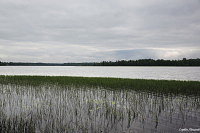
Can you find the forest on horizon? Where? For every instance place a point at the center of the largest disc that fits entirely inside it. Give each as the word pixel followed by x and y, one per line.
pixel 140 62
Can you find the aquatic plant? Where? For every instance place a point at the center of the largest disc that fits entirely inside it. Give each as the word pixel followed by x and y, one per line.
pixel 87 105
pixel 163 86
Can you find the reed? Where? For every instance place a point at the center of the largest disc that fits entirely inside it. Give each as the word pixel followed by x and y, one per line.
pixel 162 86
pixel 93 105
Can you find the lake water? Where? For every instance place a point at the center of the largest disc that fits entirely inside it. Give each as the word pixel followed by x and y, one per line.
pixel 49 107
pixel 169 73
pixel 56 109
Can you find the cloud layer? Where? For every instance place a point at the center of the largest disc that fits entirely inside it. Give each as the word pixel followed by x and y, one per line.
pixel 97 30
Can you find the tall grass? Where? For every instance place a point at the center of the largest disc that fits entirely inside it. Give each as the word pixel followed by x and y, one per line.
pixel 29 105
pixel 163 86
pixel 53 104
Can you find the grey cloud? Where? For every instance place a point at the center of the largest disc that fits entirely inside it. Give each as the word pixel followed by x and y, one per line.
pixel 84 30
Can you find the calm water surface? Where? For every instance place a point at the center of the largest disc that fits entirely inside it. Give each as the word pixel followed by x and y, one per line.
pixel 174 73
pixel 54 109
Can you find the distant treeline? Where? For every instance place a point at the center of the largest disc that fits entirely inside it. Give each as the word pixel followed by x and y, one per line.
pixel 151 62
pixel 43 64
pixel 141 62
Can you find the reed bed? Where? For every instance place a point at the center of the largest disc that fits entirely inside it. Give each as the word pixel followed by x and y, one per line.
pixel 43 104
pixel 163 86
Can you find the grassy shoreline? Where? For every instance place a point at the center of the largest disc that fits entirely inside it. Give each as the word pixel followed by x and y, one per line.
pixel 161 86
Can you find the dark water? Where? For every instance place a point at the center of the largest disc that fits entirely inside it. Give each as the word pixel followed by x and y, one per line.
pixel 55 109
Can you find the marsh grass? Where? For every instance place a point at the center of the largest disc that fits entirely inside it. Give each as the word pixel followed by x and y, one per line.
pixel 163 86
pixel 50 108
pixel 30 104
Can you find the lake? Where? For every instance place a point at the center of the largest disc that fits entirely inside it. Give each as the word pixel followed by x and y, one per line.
pixel 55 109
pixel 86 105
pixel 168 73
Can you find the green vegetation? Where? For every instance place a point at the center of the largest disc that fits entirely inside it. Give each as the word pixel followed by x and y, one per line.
pixel 151 62
pixel 141 62
pixel 55 104
pixel 43 64
pixel 163 86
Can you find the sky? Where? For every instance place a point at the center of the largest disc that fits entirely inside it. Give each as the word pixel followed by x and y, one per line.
pixel 98 30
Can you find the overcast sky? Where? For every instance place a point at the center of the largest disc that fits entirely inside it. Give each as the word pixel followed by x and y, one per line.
pixel 97 30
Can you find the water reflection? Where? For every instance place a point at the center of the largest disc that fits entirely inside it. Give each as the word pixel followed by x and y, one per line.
pixel 133 72
pixel 56 109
